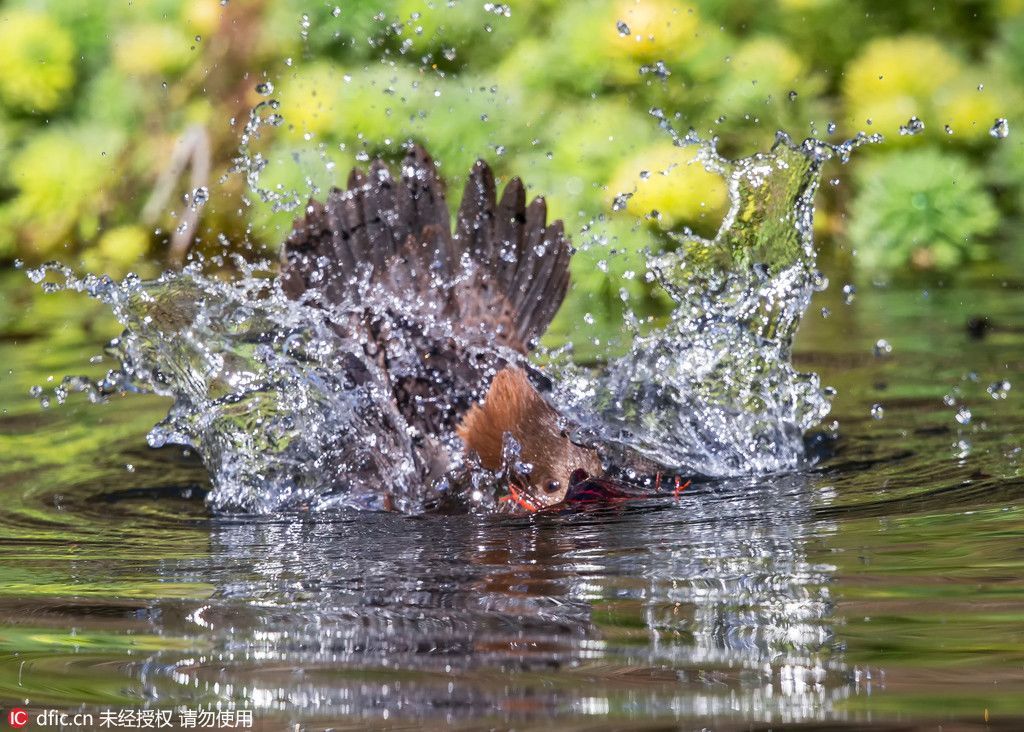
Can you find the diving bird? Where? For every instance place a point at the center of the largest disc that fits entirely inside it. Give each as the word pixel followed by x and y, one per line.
pixel 449 316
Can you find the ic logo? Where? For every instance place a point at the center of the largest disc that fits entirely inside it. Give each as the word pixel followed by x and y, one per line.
pixel 17 718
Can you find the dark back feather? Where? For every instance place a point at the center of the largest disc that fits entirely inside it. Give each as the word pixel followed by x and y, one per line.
pixel 379 225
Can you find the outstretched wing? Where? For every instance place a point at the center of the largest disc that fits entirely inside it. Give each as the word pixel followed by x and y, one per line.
pixel 522 262
pixel 499 278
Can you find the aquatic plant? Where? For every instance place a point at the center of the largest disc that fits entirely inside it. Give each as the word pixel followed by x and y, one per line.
pixel 894 79
pixel 766 86
pixel 311 102
pixel 574 158
pixel 61 178
pixel 118 251
pixel 761 68
pixel 201 17
pixel 514 84
pixel 966 109
pixel 152 49
pixel 669 185
pixel 651 30
pixel 37 58
pixel 919 209
pixel 457 33
pixel 1006 170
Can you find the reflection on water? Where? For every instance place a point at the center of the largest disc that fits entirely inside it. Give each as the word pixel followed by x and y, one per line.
pixel 712 596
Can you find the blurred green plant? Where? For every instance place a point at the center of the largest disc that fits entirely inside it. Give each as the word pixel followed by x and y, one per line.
pixel 920 210
pixel 62 178
pixel 36 56
pixel 97 101
pixel 670 186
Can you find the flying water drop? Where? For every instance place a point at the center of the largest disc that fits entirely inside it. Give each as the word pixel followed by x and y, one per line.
pixel 914 126
pixel 1000 129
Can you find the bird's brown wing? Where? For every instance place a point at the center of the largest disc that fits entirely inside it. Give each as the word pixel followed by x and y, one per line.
pixel 353 238
pixel 522 263
pixel 385 244
pixel 505 268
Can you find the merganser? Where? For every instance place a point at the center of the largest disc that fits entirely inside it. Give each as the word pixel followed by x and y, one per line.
pixel 450 316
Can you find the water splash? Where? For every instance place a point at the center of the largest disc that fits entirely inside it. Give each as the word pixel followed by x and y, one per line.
pixel 286 411
pixel 715 391
pixel 914 126
pixel 257 389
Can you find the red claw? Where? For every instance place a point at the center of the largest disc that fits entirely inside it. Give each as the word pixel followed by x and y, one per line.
pixel 518 498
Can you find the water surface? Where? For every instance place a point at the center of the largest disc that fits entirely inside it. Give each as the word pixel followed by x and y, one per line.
pixel 884 585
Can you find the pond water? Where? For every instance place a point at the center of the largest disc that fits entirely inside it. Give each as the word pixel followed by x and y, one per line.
pixel 884 585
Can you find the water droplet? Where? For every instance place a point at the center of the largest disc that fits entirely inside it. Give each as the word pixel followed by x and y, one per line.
pixel 914 126
pixel 999 389
pixel 622 28
pixel 265 88
pixel 948 129
pixel 882 348
pixel 1001 129
pixel 129 467
pixel 792 96
pixel 620 201
pixel 199 197
pixel 499 9
pixel 336 12
pixel 963 415
pixel 849 293
pixel 877 411
pixel 658 68
pixel 830 128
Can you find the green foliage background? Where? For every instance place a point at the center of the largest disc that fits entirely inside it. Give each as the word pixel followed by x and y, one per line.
pixel 96 99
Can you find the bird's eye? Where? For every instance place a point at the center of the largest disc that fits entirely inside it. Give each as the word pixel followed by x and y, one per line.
pixel 552 485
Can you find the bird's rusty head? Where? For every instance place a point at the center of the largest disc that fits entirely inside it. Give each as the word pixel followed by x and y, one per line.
pixel 518 433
